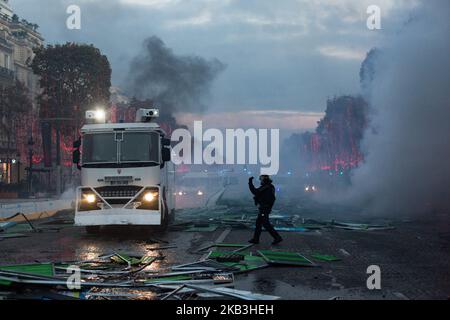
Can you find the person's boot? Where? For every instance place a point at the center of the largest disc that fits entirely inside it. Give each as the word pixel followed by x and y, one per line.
pixel 277 241
pixel 254 241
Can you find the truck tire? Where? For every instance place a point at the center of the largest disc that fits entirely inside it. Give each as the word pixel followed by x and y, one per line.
pixel 165 223
pixel 165 219
pixel 93 229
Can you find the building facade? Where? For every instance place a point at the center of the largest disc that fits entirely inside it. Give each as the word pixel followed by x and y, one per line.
pixel 18 37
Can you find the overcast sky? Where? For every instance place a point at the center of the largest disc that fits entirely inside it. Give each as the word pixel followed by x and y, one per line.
pixel 280 55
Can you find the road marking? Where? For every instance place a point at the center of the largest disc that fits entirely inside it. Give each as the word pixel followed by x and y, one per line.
pixel 212 200
pixel 345 252
pixel 220 239
pixel 223 235
pixel 400 295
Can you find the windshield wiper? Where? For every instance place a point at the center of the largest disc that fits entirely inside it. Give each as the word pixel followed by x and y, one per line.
pixel 121 165
pixel 130 164
pixel 99 165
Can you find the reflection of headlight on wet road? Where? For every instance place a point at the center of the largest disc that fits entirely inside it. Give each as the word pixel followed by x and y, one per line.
pixel 90 198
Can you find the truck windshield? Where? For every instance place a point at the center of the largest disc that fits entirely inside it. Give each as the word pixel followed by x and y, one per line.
pixel 121 149
pixel 139 146
pixel 99 148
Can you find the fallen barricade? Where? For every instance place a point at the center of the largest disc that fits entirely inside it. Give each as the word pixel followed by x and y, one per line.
pixel 126 276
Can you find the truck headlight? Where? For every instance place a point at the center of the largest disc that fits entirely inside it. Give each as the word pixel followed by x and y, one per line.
pixel 149 196
pixel 149 199
pixel 90 198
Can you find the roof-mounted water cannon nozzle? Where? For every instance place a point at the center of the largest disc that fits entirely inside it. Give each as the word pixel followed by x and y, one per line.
pixel 96 116
pixel 146 115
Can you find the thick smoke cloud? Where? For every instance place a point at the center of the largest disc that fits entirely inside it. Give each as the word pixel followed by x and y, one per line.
pixel 408 143
pixel 180 83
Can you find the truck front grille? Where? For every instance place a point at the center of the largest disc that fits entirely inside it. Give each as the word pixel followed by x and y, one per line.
pixel 118 192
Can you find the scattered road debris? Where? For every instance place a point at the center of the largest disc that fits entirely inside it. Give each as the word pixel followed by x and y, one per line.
pixel 124 276
pixel 19 214
pixel 12 235
pixel 285 258
pixel 359 226
pixel 239 294
pixel 6 225
pixel 210 219
pixel 14 229
pixel 325 257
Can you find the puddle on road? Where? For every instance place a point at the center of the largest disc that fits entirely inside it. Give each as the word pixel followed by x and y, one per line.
pixel 132 241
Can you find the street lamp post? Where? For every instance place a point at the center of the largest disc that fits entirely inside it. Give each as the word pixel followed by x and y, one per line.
pixel 57 124
pixel 30 164
pixel 18 170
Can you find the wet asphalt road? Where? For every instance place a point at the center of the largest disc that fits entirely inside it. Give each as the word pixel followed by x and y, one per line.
pixel 414 258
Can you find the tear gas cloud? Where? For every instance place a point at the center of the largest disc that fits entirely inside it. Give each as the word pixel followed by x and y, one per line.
pixel 407 144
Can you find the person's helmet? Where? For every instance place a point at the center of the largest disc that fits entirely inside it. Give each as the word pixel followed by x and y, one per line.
pixel 265 179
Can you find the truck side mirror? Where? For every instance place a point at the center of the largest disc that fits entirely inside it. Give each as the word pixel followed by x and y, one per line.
pixel 166 154
pixel 165 142
pixel 77 144
pixel 76 157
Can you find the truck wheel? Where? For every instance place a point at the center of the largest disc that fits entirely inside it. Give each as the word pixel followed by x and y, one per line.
pixel 164 223
pixel 165 220
pixel 93 229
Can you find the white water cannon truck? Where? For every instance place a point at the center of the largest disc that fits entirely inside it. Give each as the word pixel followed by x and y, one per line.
pixel 127 177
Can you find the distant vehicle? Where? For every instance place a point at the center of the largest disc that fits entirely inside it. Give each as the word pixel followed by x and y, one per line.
pixel 195 188
pixel 126 174
pixel 194 184
pixel 309 188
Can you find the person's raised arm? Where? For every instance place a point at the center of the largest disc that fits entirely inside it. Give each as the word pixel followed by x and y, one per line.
pixel 252 187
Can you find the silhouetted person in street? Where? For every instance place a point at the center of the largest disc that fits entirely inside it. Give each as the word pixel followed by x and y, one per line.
pixel 264 197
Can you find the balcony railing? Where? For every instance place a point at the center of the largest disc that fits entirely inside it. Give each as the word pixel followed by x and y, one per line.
pixel 5 17
pixel 24 23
